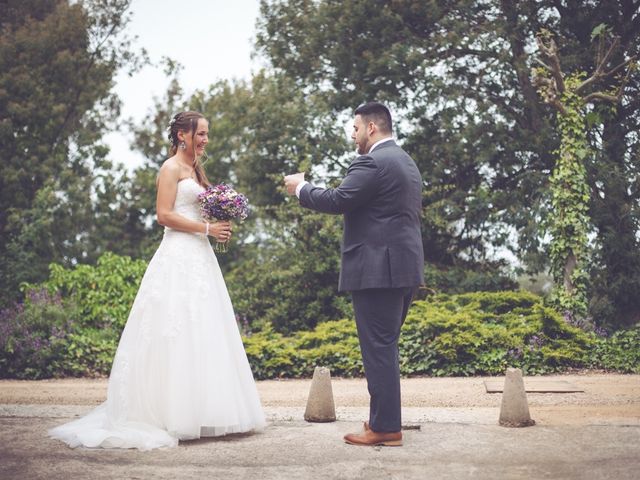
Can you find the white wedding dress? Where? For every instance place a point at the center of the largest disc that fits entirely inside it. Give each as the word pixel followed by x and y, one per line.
pixel 180 371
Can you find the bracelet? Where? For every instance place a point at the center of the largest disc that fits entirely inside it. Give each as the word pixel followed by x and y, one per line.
pixel 206 229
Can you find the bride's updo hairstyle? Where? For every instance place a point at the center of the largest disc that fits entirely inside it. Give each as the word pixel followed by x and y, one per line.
pixel 187 122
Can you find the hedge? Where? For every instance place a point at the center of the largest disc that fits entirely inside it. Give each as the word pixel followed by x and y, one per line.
pixel 482 333
pixel 459 335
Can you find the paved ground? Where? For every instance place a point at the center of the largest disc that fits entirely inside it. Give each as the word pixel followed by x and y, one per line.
pixel 452 433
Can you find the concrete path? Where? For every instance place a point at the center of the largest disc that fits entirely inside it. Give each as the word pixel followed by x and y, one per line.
pixel 459 442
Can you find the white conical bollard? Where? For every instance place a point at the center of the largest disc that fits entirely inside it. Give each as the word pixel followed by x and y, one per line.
pixel 514 411
pixel 320 405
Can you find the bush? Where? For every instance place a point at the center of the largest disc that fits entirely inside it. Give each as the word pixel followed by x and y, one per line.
pixel 104 292
pixel 333 344
pixel 33 336
pixel 479 333
pixel 70 324
pixel 484 333
pixel 471 334
pixel 44 337
pixel 620 352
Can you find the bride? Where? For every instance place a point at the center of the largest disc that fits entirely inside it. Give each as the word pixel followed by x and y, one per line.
pixel 180 371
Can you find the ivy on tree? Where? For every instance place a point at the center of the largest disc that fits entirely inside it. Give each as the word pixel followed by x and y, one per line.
pixel 569 223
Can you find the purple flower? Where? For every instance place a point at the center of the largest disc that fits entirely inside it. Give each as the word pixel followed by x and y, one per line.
pixel 535 342
pixel 515 353
pixel 221 202
pixel 601 332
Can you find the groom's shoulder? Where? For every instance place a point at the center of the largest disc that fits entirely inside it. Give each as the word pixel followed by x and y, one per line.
pixel 387 150
pixel 390 146
pixel 363 159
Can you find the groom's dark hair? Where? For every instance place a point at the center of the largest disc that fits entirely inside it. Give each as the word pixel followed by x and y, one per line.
pixel 377 113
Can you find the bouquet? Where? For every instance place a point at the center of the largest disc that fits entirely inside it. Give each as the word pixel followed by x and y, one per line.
pixel 220 203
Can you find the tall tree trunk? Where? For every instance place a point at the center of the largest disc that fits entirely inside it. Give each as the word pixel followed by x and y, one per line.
pixel 569 267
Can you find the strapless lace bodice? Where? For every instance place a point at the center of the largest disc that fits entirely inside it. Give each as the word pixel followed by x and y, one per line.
pixel 186 203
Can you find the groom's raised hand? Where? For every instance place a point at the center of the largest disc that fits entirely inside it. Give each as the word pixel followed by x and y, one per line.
pixel 292 181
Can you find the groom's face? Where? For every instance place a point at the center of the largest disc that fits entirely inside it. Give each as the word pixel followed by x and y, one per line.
pixel 360 135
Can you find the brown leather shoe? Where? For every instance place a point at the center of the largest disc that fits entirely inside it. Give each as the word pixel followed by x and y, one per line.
pixel 371 438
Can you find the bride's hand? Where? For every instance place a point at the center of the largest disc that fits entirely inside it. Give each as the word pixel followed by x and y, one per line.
pixel 220 230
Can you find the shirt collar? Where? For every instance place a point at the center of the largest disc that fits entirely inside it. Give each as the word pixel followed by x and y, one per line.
pixel 379 142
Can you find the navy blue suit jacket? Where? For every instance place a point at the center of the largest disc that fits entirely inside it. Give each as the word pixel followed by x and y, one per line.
pixel 381 200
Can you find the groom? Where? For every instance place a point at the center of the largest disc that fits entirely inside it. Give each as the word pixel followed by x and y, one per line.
pixel 382 257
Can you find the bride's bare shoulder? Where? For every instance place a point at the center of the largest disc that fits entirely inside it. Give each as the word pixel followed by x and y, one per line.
pixel 169 172
pixel 170 167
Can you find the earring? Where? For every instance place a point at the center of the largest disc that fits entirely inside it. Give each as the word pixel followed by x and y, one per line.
pixel 182 145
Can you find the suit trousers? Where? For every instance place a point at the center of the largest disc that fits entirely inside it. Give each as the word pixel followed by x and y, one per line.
pixel 380 313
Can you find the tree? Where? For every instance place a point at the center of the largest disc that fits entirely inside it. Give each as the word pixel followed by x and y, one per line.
pixel 288 277
pixel 570 94
pixel 459 74
pixel 57 63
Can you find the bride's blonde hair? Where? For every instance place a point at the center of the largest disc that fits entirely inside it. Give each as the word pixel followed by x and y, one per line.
pixel 187 122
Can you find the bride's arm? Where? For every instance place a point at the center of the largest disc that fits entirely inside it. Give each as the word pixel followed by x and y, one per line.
pixel 167 189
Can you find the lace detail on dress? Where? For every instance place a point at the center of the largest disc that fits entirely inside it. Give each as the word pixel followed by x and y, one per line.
pixel 186 203
pixel 118 387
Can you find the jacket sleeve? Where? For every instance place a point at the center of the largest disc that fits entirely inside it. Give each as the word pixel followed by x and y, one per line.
pixel 356 188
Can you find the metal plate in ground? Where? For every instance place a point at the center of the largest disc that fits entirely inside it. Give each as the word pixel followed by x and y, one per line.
pixel 535 386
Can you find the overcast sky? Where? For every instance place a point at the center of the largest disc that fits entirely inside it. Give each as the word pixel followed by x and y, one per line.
pixel 212 39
